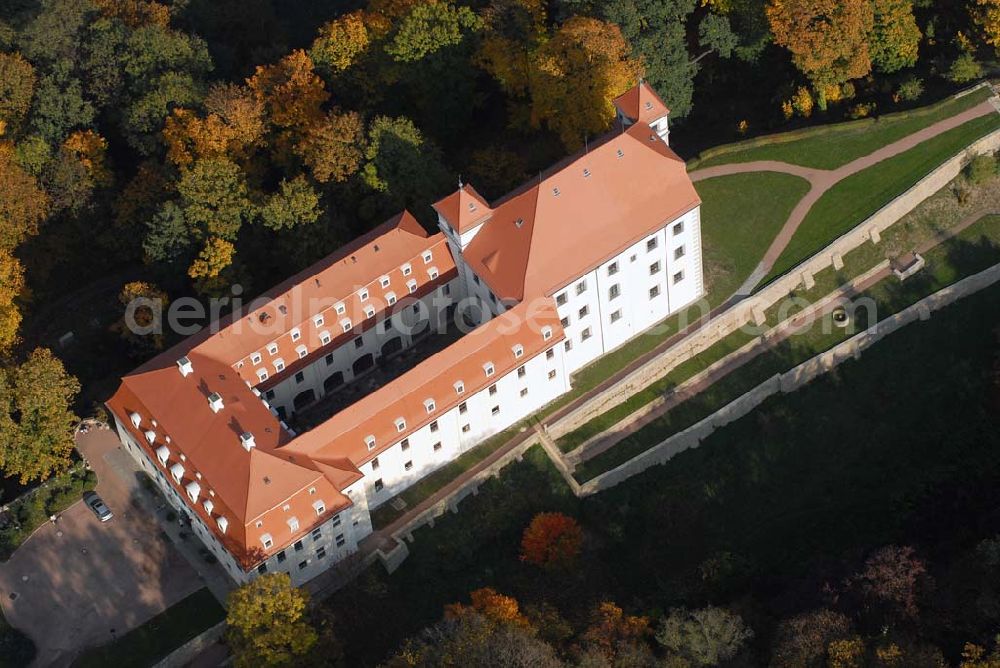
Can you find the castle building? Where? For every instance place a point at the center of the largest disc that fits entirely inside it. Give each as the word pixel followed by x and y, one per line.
pixel 278 431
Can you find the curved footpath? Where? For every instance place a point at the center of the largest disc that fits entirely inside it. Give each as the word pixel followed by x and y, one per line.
pixel 821 180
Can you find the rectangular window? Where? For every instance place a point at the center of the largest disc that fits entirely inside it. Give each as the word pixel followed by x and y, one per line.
pixel 552 374
pixel 255 358
pixel 359 342
pixel 262 569
pixel 584 311
pixel 616 316
pixel 654 292
pixel 581 287
pixel 437 446
pixel 679 276
pixel 654 268
pixel 296 334
pixel 651 244
pixel 272 348
pixel 521 372
pixel 324 337
pixel 495 410
pixel 567 345
pixel 299 377
pixel 679 252
pixel 407 269
pixel 585 334
pixel 281 557
pixel 379 485
pixel 408 465
pixel 340 309
pixel 384 281
pixel 612 269
pixel 321 552
pixel 493 390
pixel 550 353
pixel 614 291
pixel 466 428
pixel 678 228
pixel 564 322
pixel 404 445
pixel 317 533
pixel 560 299
pixel 303 564
pixel 459 388
pixel 340 540
pixel 329 359
pixel 427 257
pixel 375 464
pixel 298 546
pixel 463 408
pixel 318 320
pixel 524 391
pixel 434 426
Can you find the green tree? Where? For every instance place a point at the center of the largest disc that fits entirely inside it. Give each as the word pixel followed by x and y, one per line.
pixel 17 87
pixel 895 37
pixel 23 204
pixel 656 31
pixel 401 163
pixel 167 238
pixel 296 203
pixel 215 198
pixel 36 425
pixel 964 68
pixel 266 622
pixel 60 104
pixel 706 637
pixel 429 27
pixel 144 115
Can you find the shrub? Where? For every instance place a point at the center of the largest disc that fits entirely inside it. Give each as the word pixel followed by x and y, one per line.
pixel 981 169
pixel 802 102
pixel 910 90
pixel 964 69
pixel 863 110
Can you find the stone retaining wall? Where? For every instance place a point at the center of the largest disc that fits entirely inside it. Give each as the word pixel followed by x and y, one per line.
pixel 192 648
pixel 790 381
pixel 744 312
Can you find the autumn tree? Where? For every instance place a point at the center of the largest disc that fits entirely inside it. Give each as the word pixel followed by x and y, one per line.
pixel 11 286
pixel 577 74
pixel 705 637
pixel 888 583
pixel 36 423
pixel 17 88
pixel 986 14
pixel 90 149
pixel 513 30
pixel 828 39
pixel 333 147
pixel 551 540
pixel 340 42
pixel 610 629
pixel 291 91
pixel 23 204
pixel 295 203
pixel 266 622
pixel 240 109
pixel 136 13
pixel 492 605
pixel 801 641
pixel 215 255
pixel 895 37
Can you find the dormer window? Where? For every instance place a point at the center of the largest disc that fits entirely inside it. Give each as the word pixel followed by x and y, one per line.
pixel 162 453
pixel 430 406
pixel 262 375
pixel 255 358
pixel 223 523
pixel 369 311
pixel 555 191
pixel 427 257
pixel 272 348
pixel 318 320
pixel 279 365
pixel 340 309
pixel 411 285
pixel 319 507
pixel 150 436
pixel 215 402
pixel 370 442
pixel 193 490
pixel 363 294
pixel 384 281
pixel 266 541
pixel 459 388
pixel 432 272
pixel 177 473
pixel 546 333
pixel 209 506
pixel 407 269
pixel 302 351
pixel 390 298
pixel 296 334
pixel 324 337
pixel 293 524
pixel 518 351
pixel 346 324
pixel 135 419
pixel 489 369
pixel 400 425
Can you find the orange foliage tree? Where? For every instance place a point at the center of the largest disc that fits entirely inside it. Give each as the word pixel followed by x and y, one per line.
pixel 610 627
pixel 23 204
pixel 551 540
pixel 577 74
pixel 828 39
pixel 492 605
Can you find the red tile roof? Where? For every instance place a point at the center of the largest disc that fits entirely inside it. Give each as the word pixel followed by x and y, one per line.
pixel 596 204
pixel 464 208
pixel 641 103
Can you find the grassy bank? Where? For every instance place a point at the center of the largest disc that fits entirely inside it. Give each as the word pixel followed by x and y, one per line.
pixel 832 146
pixel 857 197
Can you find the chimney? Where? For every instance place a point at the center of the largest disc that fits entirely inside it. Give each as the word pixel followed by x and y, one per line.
pixel 215 402
pixel 185 366
pixel 246 439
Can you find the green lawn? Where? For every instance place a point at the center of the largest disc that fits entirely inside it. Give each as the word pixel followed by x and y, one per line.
pixel 859 196
pixel 147 644
pixel 975 249
pixel 779 498
pixel 829 147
